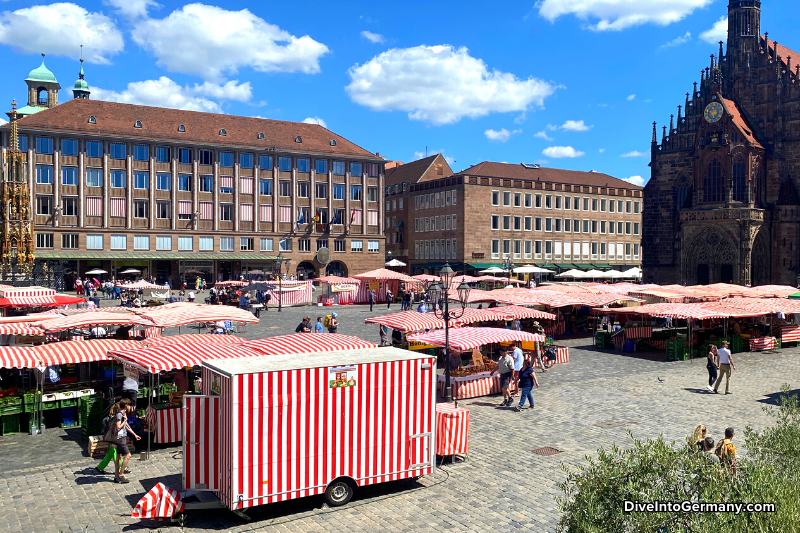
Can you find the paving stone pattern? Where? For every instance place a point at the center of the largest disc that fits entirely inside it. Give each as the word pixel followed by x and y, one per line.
pixel 48 484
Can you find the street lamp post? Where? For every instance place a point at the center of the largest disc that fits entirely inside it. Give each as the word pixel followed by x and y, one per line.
pixel 278 264
pixel 440 290
pixel 509 266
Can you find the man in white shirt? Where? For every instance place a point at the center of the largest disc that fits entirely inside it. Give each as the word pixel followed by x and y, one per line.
pixel 724 364
pixel 519 358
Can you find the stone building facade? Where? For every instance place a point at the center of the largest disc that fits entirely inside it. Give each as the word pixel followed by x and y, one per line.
pixel 722 203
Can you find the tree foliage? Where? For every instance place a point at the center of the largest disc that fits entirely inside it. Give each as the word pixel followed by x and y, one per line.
pixel 658 471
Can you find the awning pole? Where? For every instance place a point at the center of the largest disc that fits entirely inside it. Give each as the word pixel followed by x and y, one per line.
pixel 149 401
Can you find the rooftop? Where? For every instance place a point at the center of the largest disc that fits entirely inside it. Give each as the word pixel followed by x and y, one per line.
pixel 527 172
pixel 114 119
pixel 42 73
pixel 415 170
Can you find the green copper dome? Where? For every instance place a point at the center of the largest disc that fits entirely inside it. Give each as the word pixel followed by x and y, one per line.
pixel 80 84
pixel 41 74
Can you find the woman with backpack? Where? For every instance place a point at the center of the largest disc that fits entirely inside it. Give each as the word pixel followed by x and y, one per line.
pixel 333 324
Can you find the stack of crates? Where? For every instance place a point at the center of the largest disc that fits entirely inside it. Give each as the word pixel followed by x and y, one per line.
pixel 90 416
pixel 676 350
pixel 10 414
pixel 603 340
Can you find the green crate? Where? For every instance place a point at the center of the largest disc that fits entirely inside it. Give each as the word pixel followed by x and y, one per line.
pixel 778 346
pixel 69 403
pixel 48 406
pixel 10 424
pixel 29 398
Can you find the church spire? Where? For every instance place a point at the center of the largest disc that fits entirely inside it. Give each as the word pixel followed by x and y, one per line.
pixel 81 88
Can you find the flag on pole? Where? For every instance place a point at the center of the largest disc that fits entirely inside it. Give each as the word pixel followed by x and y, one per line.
pixel 301 219
pixel 352 216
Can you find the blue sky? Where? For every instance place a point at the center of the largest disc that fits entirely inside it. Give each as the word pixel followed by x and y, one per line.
pixel 566 83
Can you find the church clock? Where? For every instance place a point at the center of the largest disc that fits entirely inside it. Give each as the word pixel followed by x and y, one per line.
pixel 713 112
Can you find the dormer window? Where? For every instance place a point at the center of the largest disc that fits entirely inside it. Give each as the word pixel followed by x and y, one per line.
pixel 182 128
pixel 92 120
pixel 260 135
pixel 298 139
pixel 137 124
pixel 223 132
pixel 333 142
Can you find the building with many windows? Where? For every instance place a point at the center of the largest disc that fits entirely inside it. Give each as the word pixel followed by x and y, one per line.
pixel 552 218
pixel 181 193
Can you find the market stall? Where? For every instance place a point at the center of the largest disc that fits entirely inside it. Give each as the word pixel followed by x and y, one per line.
pixel 306 343
pixel 452 429
pixel 378 281
pixel 339 291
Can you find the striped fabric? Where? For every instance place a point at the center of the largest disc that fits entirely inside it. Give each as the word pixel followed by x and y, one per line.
pixel 226 182
pixel 284 213
pixel 306 343
pixel 28 301
pixel 117 206
pixel 73 352
pixel 372 217
pixel 463 339
pixel 356 217
pixel 265 212
pixel 94 206
pixel 25 328
pixel 165 424
pixel 790 333
pixel 474 386
pixel 246 212
pixel 761 344
pixel 97 318
pixel 452 429
pixel 16 357
pixel 184 207
pixel 200 423
pixel 160 502
pixel 192 337
pixel 206 210
pixel 406 321
pixel 246 185
pixel 515 311
pixel 190 314
pixel 174 356
pixel 383 274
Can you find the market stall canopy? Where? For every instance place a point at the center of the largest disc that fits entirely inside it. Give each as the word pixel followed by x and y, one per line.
pixel 572 273
pixel 34 317
pixel 259 286
pixel 634 272
pixel 97 318
pixel 475 296
pixel 514 311
pixel 333 280
pixel 230 284
pixel 175 356
pixel 384 274
pixel 66 299
pixel 168 317
pixel 307 343
pixel 131 271
pixel 21 328
pixel 530 269
pixel 463 339
pixel 492 270
pixel 73 352
pixel 395 263
pixel 140 285
pixel 767 305
pixel 770 291
pixel 465 279
pixel 425 277
pixel 96 272
pixel 193 337
pixel 406 321
pixel 499 280
pixel 614 274
pixel 16 357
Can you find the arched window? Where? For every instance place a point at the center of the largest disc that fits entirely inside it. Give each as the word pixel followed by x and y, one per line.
pixel 41 96
pixel 712 183
pixel 739 181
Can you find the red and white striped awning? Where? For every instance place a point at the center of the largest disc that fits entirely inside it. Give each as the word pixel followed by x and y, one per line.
pixel 16 357
pixel 230 284
pixel 674 310
pixel 21 328
pixel 174 356
pixel 193 337
pixel 97 318
pixel 463 339
pixel 333 280
pixel 28 301
pixel 139 285
pixel 169 317
pixel 514 311
pixel 307 343
pixel 72 352
pixel 160 502
pixel 384 274
pixel 406 321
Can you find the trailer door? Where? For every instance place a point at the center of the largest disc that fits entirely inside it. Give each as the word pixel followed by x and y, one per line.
pixel 201 442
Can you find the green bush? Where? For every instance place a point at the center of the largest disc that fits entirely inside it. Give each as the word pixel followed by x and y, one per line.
pixel 657 471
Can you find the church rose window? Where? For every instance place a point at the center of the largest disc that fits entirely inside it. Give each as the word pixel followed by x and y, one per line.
pixel 712 183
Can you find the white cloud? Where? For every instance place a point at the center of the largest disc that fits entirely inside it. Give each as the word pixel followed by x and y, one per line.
pixel 634 153
pixel 677 41
pixel 502 135
pixel 420 155
pixel 601 150
pixel 315 120
pixel 558 152
pixel 575 125
pixel 542 135
pixel 631 97
pixel 635 180
pixel 620 14
pixel 718 32
pixel 552 127
pixel 164 92
pixel 132 9
pixel 440 85
pixel 373 37
pixel 60 29
pixel 212 42
pixel 2 121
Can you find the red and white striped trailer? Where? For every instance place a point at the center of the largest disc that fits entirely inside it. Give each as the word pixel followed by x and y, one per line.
pixel 278 427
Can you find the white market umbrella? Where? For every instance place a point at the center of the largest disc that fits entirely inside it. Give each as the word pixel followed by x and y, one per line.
pixel 492 270
pixel 594 273
pixel 530 269
pixel 614 274
pixel 634 272
pixel 395 263
pixel 131 271
pixel 96 271
pixel 572 273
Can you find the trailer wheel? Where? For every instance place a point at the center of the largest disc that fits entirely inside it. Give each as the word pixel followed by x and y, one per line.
pixel 339 493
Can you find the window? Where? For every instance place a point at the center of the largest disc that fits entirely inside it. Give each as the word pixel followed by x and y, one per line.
pixel 321 166
pixel 226 212
pixel 602 227
pixel 246 244
pixel 537 249
pixel 163 209
pixel 636 207
pixel 185 244
pixel 245 160
pixel 628 204
pixel 205 244
pixel 495 221
pixel 538 224
pixel 528 249
pixel 528 199
pixel 594 250
pixel 94 149
pixel 356 246
pixel 338 216
pixel 338 168
pixel 94 242
pixel 620 229
pixel 266 244
pixel 44 145
pixel 548 201
pixel 355 193
pixel 285 188
pixel 495 197
pixel 567 225
pixel 69 206
pixel 611 226
pixel 594 204
pixel 285 245
pixel 94 177
pixel 586 204
pixel 517 249
pixel 548 224
pixel 163 182
pixel 141 242
pixel 576 225
pixel 372 194
pixel 205 183
pixel 162 154
pixel 304 245
pixel 265 187
pixel 184 182
pixel 373 170
pixel 69 241
pixel 69 147
pixel 557 224
pixel 355 169
pixel 506 222
pixel 611 206
pixel 627 228
pixel 594 226
pixel 322 191
pixel 603 203
pixel 117 151
pixel 586 225
pixel 454 221
pixel 506 198
pixel 602 250
pixel 339 245
pixel 285 164
pixel 517 223
pixel 44 204
pixel 226 244
pixel 185 156
pixel 627 250
pixel 636 228
pixel 44 240
pixel 495 248
pixel 44 174
pixel 558 202
pixel 141 152
pixel 373 247
pixel 22 143
pixel 118 179
pixel 517 199
pixel 538 203
pixel 576 203
pixel 141 180
pixel 119 242
pixel 528 223
pixel 163 242
pixel 635 250
pixel 619 206
pixel 548 249
pixel 140 208
pixel 303 189
pixel 205 157
pixel 567 250
pixel 226 159
pixel 265 162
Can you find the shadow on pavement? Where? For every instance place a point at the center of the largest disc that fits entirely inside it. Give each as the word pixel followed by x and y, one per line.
pixel 775 397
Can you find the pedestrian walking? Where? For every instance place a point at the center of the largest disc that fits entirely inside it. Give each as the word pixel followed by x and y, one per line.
pixel 111 453
pixel 505 367
pixel 725 365
pixel 120 424
pixel 726 451
pixel 700 433
pixel 304 326
pixel 708 450
pixel 318 328
pixel 333 324
pixel 371 300
pixel 537 346
pixel 711 366
pixel 384 333
pixel 527 380
pixel 519 359
pixel 388 299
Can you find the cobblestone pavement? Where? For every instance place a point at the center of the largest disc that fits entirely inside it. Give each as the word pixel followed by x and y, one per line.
pixel 47 484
